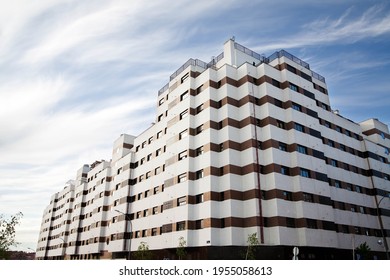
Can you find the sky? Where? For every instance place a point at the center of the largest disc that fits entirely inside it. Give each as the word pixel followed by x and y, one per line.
pixel 74 75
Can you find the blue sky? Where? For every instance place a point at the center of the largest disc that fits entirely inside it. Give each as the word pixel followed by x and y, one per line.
pixel 74 75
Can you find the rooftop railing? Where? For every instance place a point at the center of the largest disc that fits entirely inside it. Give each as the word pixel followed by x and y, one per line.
pixel 194 62
pixel 296 60
pixel 249 52
pixel 214 61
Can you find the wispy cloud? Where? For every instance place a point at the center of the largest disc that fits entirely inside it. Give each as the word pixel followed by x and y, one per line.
pixel 345 29
pixel 76 74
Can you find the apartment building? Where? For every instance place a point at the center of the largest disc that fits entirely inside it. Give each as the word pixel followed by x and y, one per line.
pixel 244 144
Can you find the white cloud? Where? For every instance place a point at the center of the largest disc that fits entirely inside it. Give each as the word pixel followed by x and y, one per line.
pixel 78 73
pixel 343 30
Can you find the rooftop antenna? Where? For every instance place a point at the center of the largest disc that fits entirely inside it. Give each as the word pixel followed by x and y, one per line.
pixel 234 38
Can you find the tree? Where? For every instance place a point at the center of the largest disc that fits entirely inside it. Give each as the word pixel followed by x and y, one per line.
pixel 363 250
pixel 181 249
pixel 7 233
pixel 143 252
pixel 252 242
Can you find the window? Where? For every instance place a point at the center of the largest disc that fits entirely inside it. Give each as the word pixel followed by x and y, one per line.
pixel 330 143
pixel 199 198
pixel 184 96
pixel 304 173
pixel 324 106
pixel 278 103
pixel 183 155
pixel 148 174
pixel 159 134
pixel 282 146
pixel 311 223
pixel 199 108
pixel 383 135
pixel 358 189
pixel 337 184
pixel 183 134
pixel 347 132
pixel 287 195
pixel 333 162
pixel 302 149
pixel 291 69
pixel 154 231
pixel 184 114
pixel 161 101
pixel 342 147
pixel 297 107
pixel 199 151
pixel 199 174
pixel 284 170
pixel 182 177
pixel 185 77
pixel 280 124
pixel 144 233
pixel 199 89
pixel 293 87
pixel 158 152
pixel 198 224
pixel 181 201
pixel 362 211
pixel 180 226
pixel 143 144
pixel 308 197
pixel 220 125
pixel 150 140
pixel 221 147
pixel 327 124
pixel 338 129
pixel 199 129
pixel 298 127
pixel 160 117
pixel 155 190
pixel 275 83
pixel 290 222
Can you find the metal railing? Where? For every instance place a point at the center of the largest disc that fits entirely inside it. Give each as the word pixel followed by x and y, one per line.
pixel 214 61
pixel 296 60
pixel 249 52
pixel 194 62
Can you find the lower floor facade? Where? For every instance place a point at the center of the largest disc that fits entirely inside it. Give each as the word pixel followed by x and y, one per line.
pixel 260 252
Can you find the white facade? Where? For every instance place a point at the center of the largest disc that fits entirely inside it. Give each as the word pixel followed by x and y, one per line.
pixel 242 145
